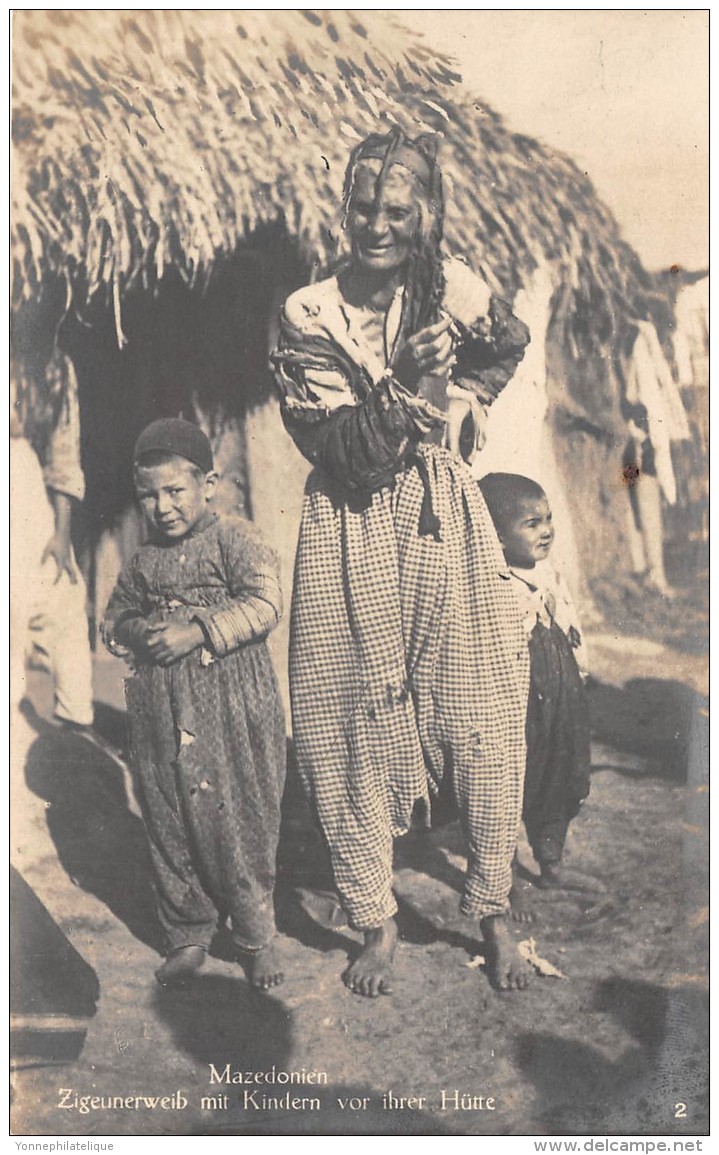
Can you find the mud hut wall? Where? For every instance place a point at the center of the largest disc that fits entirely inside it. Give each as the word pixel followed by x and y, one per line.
pixel 588 445
pixel 262 474
pixel 196 352
pixel 277 476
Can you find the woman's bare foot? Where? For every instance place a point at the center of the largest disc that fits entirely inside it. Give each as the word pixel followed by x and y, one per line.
pixel 506 968
pixel 263 967
pixel 371 973
pixel 180 965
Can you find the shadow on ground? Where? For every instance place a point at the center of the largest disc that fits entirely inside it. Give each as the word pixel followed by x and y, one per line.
pixel 659 1086
pixel 649 717
pixel 223 1022
pixel 640 611
pixel 100 843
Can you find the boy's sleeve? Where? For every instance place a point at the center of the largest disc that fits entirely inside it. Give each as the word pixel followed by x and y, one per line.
pixel 125 619
pixel 254 606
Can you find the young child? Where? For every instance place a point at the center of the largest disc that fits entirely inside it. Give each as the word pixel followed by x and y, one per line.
pixel 557 773
pixel 193 608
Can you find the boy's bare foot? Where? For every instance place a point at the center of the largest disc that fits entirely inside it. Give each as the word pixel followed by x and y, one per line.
pixel 520 909
pixel 180 964
pixel 550 874
pixel 263 967
pixel 506 968
pixel 371 973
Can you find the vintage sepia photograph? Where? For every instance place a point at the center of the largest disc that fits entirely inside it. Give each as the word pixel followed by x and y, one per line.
pixel 359 556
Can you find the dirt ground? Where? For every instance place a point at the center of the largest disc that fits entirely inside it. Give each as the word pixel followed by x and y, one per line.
pixel 618 1045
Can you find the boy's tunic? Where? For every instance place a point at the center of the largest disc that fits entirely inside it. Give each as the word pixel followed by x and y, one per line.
pixel 558 752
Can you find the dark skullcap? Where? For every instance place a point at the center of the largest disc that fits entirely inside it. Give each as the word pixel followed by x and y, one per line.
pixel 504 491
pixel 178 437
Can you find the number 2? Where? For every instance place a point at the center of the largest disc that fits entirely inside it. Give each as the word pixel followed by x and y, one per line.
pixel 680 1110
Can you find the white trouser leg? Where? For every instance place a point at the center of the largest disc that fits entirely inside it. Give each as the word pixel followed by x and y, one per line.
pixel 59 628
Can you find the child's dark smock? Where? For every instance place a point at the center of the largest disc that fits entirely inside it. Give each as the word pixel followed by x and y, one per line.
pixel 208 732
pixel 558 756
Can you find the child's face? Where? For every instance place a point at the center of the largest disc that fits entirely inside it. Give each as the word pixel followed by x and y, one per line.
pixel 173 495
pixel 527 538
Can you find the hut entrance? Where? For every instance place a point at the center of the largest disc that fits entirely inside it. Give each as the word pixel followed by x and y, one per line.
pixel 197 351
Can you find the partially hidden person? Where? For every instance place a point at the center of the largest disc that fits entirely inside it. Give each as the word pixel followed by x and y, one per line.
pixel 48 596
pixel 558 752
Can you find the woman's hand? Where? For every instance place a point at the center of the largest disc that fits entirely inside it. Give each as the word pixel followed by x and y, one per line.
pixel 462 402
pixel 479 417
pixel 426 354
pixel 167 642
pixel 59 547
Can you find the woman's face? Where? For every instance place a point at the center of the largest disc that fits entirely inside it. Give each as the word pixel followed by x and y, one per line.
pixel 382 230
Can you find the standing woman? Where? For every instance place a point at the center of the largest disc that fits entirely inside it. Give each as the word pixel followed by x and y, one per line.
pixel 407 660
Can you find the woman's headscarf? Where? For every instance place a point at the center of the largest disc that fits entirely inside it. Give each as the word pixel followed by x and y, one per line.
pixel 424 286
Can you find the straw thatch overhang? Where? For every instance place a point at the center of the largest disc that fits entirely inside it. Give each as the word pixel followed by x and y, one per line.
pixel 176 173
pixel 154 139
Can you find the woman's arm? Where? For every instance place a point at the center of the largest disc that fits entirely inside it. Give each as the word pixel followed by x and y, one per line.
pixel 62 471
pixel 490 339
pixel 489 351
pixel 360 444
pixel 59 547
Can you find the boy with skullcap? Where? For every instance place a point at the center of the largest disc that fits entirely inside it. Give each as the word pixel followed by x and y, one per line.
pixel 192 610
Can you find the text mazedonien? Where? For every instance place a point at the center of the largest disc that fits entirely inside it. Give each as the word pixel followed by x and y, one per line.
pixel 228 1074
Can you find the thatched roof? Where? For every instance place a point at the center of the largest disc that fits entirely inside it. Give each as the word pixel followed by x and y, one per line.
pixel 152 138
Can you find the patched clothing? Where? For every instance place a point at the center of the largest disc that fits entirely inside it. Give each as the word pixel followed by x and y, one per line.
pixel 208 733
pixel 407 658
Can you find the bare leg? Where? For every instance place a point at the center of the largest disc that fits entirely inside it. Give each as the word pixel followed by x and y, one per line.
pixel 507 970
pixel 263 967
pixel 371 974
pixel 649 501
pixel 180 965
pixel 634 539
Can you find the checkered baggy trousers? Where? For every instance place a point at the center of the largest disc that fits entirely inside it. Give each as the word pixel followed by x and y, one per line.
pixel 408 662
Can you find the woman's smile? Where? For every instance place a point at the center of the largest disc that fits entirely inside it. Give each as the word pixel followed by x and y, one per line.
pixel 383 224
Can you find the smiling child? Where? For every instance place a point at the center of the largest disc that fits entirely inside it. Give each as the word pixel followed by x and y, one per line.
pixel 557 774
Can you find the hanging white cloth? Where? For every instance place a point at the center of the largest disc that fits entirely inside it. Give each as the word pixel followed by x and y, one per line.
pixel 649 381
pixel 691 335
